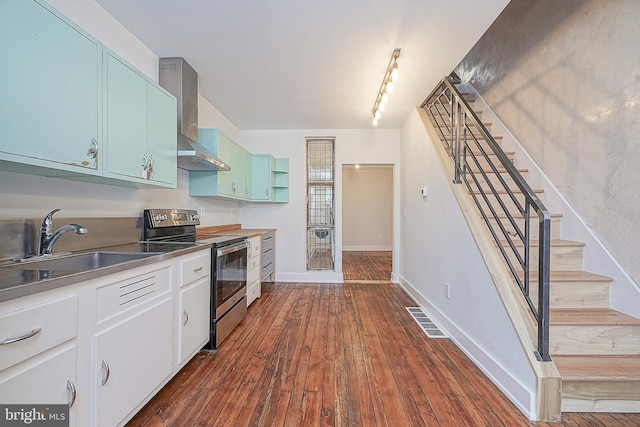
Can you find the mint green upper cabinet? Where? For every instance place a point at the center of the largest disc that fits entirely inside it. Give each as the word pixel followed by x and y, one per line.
pixel 262 165
pixel 125 119
pixel 50 90
pixel 140 127
pixel 223 184
pixel 162 129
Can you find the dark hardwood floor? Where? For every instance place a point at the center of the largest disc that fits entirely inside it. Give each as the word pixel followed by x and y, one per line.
pixel 337 355
pixel 366 265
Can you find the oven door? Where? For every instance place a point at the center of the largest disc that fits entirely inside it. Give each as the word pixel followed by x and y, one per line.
pixel 230 277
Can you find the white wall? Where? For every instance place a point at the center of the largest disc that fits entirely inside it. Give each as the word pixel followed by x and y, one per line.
pixel 563 76
pixel 367 208
pixel 438 248
pixel 351 146
pixel 33 196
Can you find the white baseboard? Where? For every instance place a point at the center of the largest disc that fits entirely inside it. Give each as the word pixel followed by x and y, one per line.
pixel 510 386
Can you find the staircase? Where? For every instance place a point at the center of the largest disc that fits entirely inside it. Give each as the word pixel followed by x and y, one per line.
pixel 595 349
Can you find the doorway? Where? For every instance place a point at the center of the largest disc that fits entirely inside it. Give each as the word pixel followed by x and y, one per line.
pixel 367 222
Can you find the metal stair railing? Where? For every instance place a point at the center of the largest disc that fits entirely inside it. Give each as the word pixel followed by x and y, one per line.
pixel 495 185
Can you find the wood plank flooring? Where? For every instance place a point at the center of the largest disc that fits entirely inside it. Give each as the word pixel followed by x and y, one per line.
pixel 337 355
pixel 366 265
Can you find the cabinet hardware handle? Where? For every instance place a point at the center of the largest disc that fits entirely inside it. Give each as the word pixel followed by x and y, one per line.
pixel 72 388
pixel 93 151
pixel 107 372
pixel 22 337
pixel 195 270
pixel 233 187
pixel 266 192
pixel 185 317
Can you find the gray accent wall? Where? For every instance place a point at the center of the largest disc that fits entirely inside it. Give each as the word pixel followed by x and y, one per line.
pixel 564 76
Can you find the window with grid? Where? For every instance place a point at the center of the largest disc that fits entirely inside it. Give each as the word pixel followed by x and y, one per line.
pixel 320 206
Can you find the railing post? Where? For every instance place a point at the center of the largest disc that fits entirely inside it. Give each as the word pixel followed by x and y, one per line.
pixel 458 121
pixel 452 132
pixel 544 263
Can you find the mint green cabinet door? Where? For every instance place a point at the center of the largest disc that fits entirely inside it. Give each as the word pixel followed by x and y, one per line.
pixel 261 177
pixel 125 120
pixel 248 173
pixel 49 86
pixel 161 135
pixel 226 152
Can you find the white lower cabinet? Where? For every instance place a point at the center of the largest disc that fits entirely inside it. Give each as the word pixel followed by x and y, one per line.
pixel 46 380
pixel 254 285
pixel 193 318
pixel 106 345
pixel 132 359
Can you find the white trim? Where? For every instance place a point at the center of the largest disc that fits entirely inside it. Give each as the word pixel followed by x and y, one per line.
pixel 624 292
pixel 516 392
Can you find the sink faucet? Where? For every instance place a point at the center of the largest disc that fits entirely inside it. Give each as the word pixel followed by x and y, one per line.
pixel 48 238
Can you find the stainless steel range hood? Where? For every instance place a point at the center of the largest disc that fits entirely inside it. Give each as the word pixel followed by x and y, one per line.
pixel 177 77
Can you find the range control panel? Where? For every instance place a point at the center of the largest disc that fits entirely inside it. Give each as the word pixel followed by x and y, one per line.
pixel 156 218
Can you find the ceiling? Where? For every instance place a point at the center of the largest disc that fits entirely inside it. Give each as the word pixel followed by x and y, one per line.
pixel 301 64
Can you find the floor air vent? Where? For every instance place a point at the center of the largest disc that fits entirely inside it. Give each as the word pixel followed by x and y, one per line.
pixel 427 325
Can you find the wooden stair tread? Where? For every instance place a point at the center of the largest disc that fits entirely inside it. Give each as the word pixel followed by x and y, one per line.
pixel 491 153
pixel 591 316
pixel 573 276
pixel 554 243
pixel 598 368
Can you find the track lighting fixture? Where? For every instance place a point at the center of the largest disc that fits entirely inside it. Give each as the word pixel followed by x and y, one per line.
pixel 386 87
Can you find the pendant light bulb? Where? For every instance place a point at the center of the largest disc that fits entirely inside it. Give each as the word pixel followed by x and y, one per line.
pixel 381 107
pixel 385 98
pixel 375 121
pixel 389 87
pixel 377 115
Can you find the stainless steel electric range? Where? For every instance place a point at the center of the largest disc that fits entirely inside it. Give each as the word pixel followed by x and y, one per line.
pixel 228 266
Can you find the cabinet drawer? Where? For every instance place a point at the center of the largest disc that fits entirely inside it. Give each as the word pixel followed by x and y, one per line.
pixel 57 322
pixel 196 268
pixel 253 272
pixel 267 268
pixel 268 241
pixel 46 380
pixel 121 296
pixel 253 291
pixel 255 245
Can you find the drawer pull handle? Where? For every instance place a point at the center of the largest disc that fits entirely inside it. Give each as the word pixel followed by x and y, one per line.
pixel 22 337
pixel 185 317
pixel 72 388
pixel 196 270
pixel 107 372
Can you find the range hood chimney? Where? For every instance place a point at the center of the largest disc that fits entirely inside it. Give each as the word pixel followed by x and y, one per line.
pixel 177 77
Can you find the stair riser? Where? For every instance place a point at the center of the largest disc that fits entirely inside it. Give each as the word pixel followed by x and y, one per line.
pixel 589 339
pixel 562 258
pixel 600 396
pixel 509 206
pixel 576 295
pixel 534 228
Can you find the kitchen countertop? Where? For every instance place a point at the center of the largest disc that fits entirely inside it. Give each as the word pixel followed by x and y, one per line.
pixel 232 230
pixel 16 282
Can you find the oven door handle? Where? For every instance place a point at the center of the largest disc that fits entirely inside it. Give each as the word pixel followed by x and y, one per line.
pixel 233 248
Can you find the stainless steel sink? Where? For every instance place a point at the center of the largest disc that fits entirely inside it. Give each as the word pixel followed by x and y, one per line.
pixel 82 262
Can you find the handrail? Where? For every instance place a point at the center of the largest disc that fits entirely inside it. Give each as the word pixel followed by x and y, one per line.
pixel 493 194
